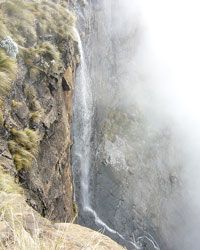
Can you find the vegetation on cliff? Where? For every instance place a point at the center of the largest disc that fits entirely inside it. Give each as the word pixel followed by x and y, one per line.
pixel 8 71
pixel 38 18
pixel 36 31
pixel 36 47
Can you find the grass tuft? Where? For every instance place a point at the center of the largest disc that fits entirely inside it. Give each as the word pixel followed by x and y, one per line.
pixel 23 147
pixel 7 183
pixel 41 58
pixel 16 104
pixel 26 138
pixel 8 71
pixel 35 117
pixel 36 110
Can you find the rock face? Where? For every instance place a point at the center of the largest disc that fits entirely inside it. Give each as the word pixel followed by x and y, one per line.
pixel 137 175
pixel 39 103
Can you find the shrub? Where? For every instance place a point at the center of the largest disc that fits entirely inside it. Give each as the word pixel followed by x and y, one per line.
pixel 35 105
pixel 7 65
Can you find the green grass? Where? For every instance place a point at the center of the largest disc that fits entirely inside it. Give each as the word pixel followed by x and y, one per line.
pixel 29 29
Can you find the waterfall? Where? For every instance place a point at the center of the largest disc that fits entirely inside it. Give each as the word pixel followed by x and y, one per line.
pixel 82 124
pixel 82 130
pixel 136 122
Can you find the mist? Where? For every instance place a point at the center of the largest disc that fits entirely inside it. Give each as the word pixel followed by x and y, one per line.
pixel 162 77
pixel 144 139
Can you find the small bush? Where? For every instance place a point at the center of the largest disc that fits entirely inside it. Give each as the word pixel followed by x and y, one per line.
pixel 12 146
pixel 36 110
pixel 49 50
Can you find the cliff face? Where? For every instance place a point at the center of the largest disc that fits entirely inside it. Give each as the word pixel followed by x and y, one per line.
pixel 36 107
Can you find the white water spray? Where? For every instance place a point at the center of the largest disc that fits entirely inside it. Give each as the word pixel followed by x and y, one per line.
pixel 83 119
pixel 82 151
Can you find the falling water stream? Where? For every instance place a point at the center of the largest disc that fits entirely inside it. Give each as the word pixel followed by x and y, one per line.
pixel 82 129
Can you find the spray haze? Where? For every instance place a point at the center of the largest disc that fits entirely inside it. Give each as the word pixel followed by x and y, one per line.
pixel 141 66
pixel 166 84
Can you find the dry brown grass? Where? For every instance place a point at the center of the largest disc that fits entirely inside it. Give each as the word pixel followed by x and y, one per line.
pixel 23 147
pixel 8 71
pixel 37 18
pixel 22 228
